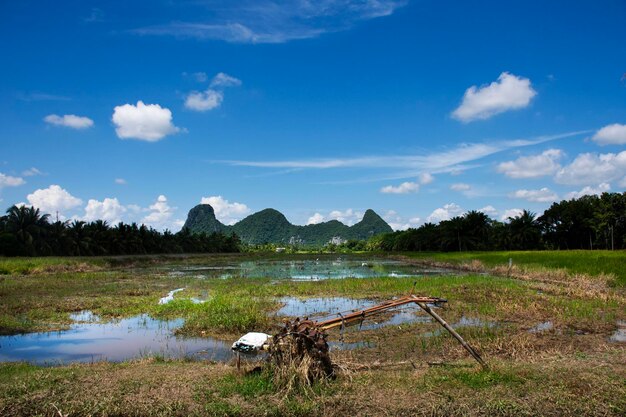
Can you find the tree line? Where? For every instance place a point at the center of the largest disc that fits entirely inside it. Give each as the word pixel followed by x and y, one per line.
pixel 25 231
pixel 589 222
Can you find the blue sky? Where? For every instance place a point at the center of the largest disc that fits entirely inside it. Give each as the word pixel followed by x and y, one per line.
pixel 421 110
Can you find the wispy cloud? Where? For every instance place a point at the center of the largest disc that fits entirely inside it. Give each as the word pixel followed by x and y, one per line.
pixel 270 21
pixel 410 165
pixel 38 96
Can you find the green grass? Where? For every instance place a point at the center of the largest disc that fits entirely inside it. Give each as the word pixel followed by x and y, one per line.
pixel 10 266
pixel 575 261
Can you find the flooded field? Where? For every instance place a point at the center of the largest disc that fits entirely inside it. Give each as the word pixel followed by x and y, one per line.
pixel 305 268
pixel 91 338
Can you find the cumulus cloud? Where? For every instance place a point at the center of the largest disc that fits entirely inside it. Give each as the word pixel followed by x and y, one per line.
pixel 397 222
pixel 590 168
pixel 69 120
pixel 53 199
pixel 404 188
pixel 601 188
pixel 509 92
pixel 460 187
pixel 409 187
pixel 514 212
pixel 10 181
pixel 161 215
pixel 446 212
pixel 533 166
pixel 315 219
pixel 204 100
pixel 544 195
pixel 225 211
pixel 489 211
pixel 614 134
pixel 213 96
pixel 149 122
pixel 120 181
pixel 108 209
pixel 348 216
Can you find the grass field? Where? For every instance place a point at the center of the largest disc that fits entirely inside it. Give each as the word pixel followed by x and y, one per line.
pixel 574 262
pixel 409 369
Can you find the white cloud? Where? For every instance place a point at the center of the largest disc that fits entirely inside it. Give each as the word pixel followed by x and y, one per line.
pixel 509 92
pixel 589 168
pixel 543 195
pixel 224 80
pixel 460 187
pixel 426 178
pixel 52 199
pixel 514 212
pixel 108 209
pixel 407 166
pixel 409 187
pixel 225 211
pixel 315 219
pixel 267 21
pixel 69 120
pixel 489 211
pixel 602 188
pixel 614 134
pixel 404 188
pixel 161 215
pixel 120 181
pixel 397 222
pixel 213 97
pixel 31 172
pixel 446 212
pixel 533 166
pixel 348 216
pixel 9 181
pixel 149 122
pixel 204 100
pixel 200 77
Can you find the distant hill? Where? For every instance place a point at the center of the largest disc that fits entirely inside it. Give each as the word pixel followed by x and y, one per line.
pixel 271 226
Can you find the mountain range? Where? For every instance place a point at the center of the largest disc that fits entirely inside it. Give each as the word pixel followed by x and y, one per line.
pixel 271 226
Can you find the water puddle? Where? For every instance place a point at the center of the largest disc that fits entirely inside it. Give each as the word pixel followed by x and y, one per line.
pixel 351 345
pixel 329 307
pixel 196 300
pixel 620 333
pixel 305 269
pixel 89 341
pixel 542 327
pixel 170 296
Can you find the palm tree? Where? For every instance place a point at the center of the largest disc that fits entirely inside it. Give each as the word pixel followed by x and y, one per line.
pixel 525 231
pixel 28 225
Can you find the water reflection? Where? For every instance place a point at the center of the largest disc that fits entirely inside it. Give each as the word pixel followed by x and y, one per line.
pixel 313 269
pixel 114 341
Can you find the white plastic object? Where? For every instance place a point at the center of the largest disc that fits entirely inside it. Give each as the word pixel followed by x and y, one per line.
pixel 250 342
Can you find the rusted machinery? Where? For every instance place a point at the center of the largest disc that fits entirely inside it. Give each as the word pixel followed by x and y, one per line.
pixel 305 340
